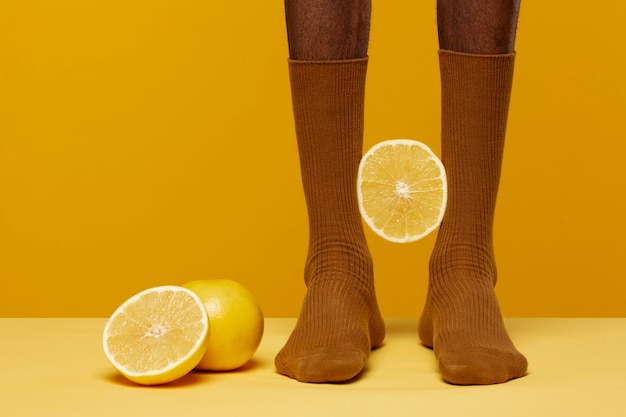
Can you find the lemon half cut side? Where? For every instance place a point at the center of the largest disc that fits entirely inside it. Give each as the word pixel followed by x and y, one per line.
pixel 401 190
pixel 157 335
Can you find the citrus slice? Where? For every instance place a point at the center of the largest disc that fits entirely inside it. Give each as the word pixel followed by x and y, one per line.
pixel 158 335
pixel 401 190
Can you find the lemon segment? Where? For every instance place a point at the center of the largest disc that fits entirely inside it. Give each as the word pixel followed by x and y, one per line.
pixel 401 190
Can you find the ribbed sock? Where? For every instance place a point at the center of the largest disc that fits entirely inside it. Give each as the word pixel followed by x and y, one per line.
pixel 340 321
pixel 462 320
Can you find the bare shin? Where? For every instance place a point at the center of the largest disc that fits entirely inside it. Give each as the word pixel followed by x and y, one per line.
pixel 320 30
pixel 478 26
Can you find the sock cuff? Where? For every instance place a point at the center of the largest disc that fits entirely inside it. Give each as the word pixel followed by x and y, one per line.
pixel 328 77
pixel 477 71
pixel 478 56
pixel 475 81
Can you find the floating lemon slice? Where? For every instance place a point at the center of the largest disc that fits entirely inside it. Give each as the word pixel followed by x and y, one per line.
pixel 402 190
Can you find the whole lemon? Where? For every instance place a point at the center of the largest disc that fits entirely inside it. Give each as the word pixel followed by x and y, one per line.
pixel 236 323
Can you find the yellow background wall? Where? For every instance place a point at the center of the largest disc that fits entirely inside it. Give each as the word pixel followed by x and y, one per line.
pixel 151 142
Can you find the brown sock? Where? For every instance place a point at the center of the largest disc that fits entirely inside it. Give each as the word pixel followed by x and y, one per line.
pixel 339 322
pixel 462 319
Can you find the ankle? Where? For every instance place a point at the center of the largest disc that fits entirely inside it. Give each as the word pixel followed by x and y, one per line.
pixel 340 259
pixel 463 261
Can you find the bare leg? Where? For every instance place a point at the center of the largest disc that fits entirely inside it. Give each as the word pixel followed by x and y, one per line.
pixel 462 319
pixel 477 26
pixel 339 322
pixel 323 30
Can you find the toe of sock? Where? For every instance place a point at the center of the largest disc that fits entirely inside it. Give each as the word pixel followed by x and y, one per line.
pixel 483 368
pixel 322 366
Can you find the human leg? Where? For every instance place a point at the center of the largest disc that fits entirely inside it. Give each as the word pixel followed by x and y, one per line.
pixel 327 30
pixel 462 319
pixel 339 322
pixel 478 26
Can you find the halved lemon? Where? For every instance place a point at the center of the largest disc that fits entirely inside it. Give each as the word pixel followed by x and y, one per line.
pixel 236 322
pixel 158 335
pixel 402 190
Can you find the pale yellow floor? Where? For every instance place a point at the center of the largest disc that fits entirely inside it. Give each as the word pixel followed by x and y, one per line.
pixel 55 367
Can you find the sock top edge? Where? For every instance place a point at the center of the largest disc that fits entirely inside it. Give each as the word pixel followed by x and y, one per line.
pixel 484 56
pixel 327 62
